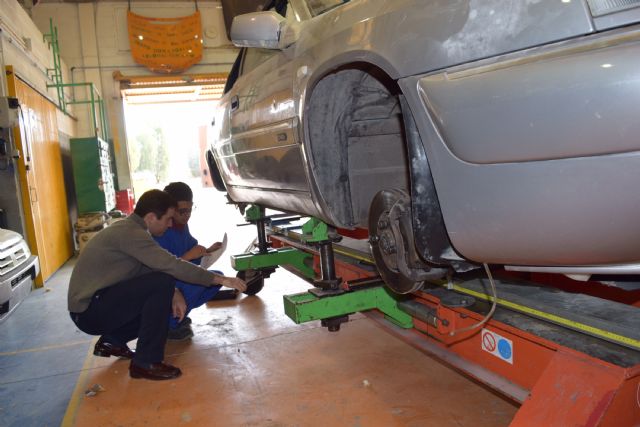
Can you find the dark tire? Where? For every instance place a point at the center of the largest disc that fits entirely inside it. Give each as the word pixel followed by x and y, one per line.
pixel 254 279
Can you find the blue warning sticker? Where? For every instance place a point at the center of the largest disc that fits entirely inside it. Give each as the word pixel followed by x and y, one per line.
pixel 497 345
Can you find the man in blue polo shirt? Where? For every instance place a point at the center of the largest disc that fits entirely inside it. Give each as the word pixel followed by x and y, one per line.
pixel 179 241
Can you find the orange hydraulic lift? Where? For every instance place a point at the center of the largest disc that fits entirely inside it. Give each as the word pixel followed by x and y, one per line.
pixel 569 359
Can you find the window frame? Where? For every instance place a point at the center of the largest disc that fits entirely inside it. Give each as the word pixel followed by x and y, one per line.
pixel 312 12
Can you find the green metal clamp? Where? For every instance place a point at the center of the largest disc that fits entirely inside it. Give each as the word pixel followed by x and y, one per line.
pixel 253 213
pixel 264 258
pixel 305 307
pixel 314 231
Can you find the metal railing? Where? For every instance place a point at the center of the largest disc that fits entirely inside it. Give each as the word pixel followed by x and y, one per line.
pixel 94 100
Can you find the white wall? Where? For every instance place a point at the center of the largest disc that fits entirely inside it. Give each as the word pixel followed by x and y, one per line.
pixel 94 43
pixel 22 46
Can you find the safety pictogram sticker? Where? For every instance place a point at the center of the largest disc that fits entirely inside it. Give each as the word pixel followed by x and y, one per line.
pixel 497 345
pixel 488 342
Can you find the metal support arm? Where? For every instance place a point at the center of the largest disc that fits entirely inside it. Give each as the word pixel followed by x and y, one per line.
pixel 305 307
pixel 291 256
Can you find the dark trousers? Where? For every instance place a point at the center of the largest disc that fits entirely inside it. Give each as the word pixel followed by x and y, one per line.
pixel 195 296
pixel 135 308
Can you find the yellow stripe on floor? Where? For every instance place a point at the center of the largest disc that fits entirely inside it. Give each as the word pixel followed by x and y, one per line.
pixel 78 392
pixel 48 347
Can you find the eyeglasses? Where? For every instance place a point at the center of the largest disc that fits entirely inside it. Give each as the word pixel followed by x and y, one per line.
pixel 185 211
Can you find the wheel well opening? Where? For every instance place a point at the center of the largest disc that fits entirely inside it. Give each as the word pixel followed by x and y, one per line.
pixel 356 140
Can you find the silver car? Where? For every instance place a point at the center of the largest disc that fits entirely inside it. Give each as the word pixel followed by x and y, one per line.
pixel 458 132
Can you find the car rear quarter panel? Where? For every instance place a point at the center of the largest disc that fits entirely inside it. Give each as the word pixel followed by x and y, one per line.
pixel 413 36
pixel 540 107
pixel 538 162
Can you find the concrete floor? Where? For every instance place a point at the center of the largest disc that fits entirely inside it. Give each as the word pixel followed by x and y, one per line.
pixel 248 365
pixel 41 355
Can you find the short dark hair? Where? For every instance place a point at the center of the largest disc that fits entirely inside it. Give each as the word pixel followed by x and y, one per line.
pixel 180 191
pixel 155 201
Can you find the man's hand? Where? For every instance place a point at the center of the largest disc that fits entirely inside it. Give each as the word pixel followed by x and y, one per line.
pixel 214 247
pixel 178 305
pixel 195 252
pixel 232 282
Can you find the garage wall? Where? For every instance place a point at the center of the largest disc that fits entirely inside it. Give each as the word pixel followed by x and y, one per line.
pixel 23 48
pixel 94 43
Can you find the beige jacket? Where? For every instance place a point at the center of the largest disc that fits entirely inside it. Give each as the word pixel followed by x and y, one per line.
pixel 123 251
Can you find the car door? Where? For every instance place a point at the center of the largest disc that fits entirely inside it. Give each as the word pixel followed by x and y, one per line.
pixel 262 149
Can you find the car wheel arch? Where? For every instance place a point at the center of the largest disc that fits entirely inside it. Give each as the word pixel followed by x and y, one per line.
pixel 214 172
pixel 333 104
pixel 344 191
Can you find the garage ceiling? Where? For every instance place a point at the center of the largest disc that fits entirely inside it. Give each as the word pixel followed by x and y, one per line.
pixel 230 8
pixel 105 1
pixel 165 89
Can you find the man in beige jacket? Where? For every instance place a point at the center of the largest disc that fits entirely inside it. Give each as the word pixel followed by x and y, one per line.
pixel 123 287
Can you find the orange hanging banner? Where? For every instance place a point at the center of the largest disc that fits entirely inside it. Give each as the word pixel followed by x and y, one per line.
pixel 165 45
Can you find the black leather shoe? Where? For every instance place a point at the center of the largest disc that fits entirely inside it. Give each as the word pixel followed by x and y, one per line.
pixel 156 371
pixel 105 349
pixel 181 333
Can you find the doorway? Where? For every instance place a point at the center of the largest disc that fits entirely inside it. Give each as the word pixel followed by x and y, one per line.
pixel 168 130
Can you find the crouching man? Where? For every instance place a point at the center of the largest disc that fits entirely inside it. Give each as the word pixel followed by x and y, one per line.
pixel 179 241
pixel 123 287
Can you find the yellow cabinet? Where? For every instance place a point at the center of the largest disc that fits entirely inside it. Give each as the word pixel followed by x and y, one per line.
pixel 44 198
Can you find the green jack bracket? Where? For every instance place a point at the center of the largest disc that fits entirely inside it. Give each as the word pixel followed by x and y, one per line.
pixel 305 307
pixel 253 213
pixel 300 260
pixel 315 230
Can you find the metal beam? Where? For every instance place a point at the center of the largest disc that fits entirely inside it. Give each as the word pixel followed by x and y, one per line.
pixel 305 307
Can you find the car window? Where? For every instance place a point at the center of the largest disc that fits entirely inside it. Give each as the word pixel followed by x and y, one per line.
pixel 318 7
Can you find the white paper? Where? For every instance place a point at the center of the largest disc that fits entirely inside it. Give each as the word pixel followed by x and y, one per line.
pixel 208 260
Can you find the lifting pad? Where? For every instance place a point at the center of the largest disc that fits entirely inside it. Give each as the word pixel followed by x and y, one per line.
pixel 305 307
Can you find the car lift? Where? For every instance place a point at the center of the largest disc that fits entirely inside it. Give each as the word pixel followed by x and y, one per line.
pixel 567 358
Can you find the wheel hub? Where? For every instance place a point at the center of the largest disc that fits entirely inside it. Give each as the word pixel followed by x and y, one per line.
pixel 386 245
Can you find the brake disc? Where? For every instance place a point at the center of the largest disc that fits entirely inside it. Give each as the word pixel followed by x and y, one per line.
pixel 385 245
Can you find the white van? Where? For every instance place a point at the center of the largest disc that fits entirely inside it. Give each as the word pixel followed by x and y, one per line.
pixel 18 269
